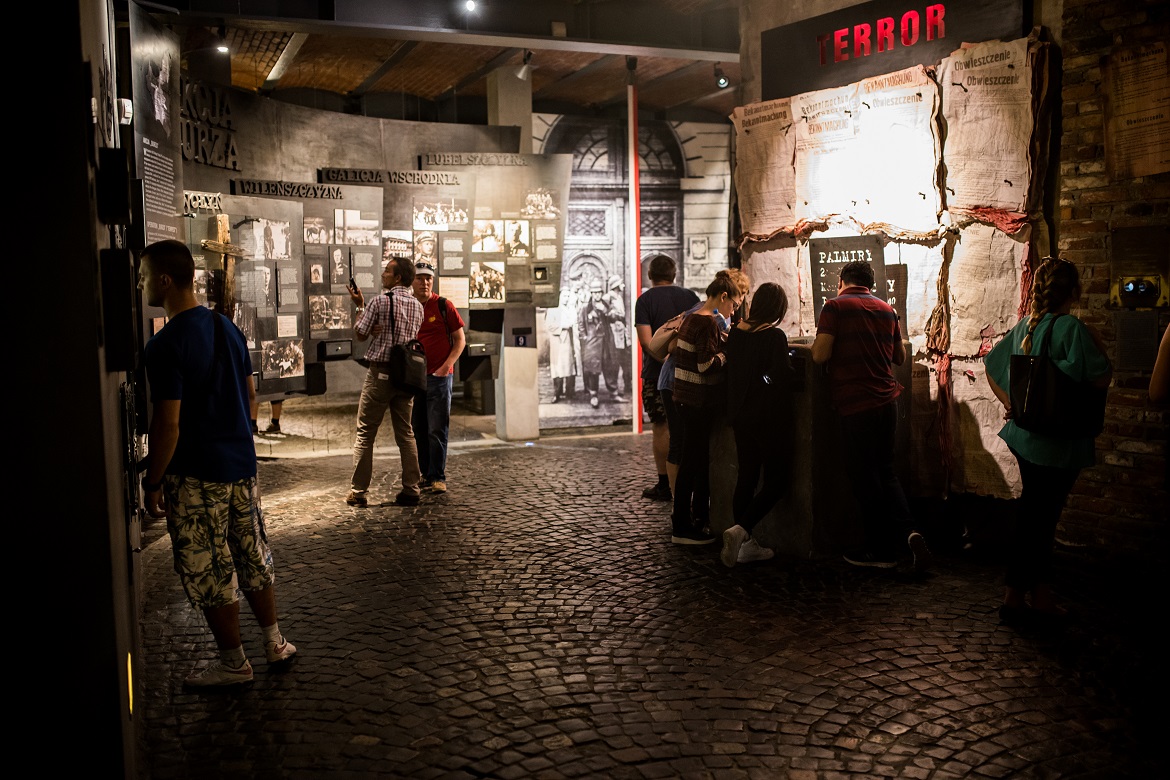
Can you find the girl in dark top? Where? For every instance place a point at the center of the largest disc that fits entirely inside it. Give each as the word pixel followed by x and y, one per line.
pixel 759 408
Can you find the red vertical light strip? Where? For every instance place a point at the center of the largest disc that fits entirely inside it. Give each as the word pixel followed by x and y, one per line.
pixel 634 262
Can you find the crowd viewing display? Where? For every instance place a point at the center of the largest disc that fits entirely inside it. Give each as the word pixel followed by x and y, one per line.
pixel 901 301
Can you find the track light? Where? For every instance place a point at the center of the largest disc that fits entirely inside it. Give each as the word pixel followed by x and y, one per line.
pixel 721 80
pixel 525 70
pixel 221 45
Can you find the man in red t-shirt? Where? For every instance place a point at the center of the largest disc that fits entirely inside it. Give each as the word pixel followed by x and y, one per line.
pixel 859 337
pixel 443 341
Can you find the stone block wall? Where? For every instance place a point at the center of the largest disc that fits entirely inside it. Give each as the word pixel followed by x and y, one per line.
pixel 1119 508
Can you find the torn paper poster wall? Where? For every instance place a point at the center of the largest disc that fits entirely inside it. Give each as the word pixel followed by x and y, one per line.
pixel 779 261
pixel 899 145
pixel 988 108
pixel 765 180
pixel 982 462
pixel 984 287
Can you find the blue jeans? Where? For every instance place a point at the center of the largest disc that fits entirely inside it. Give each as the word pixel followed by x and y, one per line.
pixel 432 423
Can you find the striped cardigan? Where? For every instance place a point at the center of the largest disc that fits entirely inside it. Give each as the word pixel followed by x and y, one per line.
pixel 699 361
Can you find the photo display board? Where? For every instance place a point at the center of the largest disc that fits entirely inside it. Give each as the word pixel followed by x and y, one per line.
pixel 248 264
pixel 337 238
pixel 517 225
pixel 343 241
pixel 428 217
pixel 157 145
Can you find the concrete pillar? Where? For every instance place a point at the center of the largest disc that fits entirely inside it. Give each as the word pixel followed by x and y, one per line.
pixel 517 396
pixel 509 100
pixel 517 392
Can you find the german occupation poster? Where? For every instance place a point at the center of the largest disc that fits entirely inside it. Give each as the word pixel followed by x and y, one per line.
pixel 765 181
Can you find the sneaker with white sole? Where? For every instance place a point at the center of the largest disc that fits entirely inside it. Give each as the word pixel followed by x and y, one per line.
pixel 752 551
pixel 869 559
pixel 279 651
pixel 691 536
pixel 219 674
pixel 923 559
pixel 733 539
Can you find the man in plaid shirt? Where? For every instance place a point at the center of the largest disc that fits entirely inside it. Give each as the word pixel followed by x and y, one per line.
pixel 378 394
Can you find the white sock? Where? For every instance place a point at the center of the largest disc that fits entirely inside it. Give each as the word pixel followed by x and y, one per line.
pixel 234 658
pixel 272 633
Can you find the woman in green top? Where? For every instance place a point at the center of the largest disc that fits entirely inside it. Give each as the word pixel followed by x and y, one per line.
pixel 1049 465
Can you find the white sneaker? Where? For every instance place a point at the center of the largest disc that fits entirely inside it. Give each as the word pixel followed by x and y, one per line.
pixel 751 551
pixel 218 674
pixel 279 651
pixel 922 557
pixel 732 539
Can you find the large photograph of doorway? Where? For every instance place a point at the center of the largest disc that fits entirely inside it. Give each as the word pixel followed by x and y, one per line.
pixel 586 342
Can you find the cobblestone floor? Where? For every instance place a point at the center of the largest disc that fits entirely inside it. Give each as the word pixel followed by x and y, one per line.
pixel 536 622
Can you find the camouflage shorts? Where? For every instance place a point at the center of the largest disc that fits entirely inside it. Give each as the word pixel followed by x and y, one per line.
pixel 652 402
pixel 218 539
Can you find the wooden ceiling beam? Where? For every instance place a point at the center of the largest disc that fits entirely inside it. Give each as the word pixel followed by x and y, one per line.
pixel 579 75
pixel 684 70
pixel 495 62
pixel 295 41
pixel 378 73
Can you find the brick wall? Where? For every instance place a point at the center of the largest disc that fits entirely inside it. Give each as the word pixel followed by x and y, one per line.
pixel 1118 510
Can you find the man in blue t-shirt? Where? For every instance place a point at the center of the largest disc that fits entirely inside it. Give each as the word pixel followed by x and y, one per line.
pixel 655 306
pixel 201 472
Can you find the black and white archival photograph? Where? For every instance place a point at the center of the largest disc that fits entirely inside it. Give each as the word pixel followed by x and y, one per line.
pixel 446 214
pixel 487 236
pixel 330 312
pixel 518 241
pixel 282 358
pixel 356 227
pixel 317 231
pixel 339 266
pixel 541 203
pixel 397 243
pixel 487 282
pixel 244 316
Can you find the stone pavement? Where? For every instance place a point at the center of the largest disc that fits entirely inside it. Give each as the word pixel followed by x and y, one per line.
pixel 536 622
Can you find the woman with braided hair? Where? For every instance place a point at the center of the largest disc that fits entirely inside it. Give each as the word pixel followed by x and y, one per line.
pixel 1049 465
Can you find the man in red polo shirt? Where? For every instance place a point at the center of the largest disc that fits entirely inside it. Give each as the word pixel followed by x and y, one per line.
pixel 859 337
pixel 443 341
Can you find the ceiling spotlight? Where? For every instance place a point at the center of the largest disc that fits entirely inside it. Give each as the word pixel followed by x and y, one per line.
pixel 469 5
pixel 721 79
pixel 221 44
pixel 525 70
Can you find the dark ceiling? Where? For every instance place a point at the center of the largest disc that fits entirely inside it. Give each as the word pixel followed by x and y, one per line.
pixel 429 59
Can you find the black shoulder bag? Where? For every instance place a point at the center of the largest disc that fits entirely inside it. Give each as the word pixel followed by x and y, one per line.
pixel 1045 400
pixel 408 362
